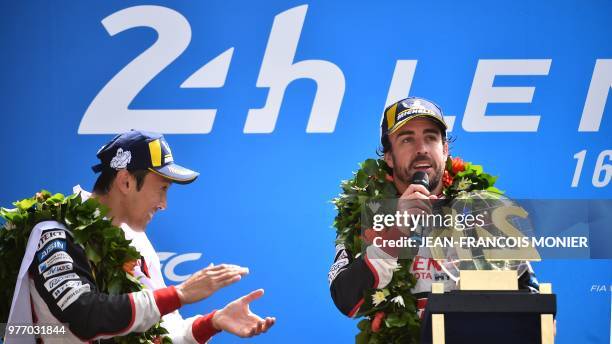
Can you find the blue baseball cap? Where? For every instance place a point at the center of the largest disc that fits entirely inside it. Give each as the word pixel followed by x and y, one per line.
pixel 402 111
pixel 140 150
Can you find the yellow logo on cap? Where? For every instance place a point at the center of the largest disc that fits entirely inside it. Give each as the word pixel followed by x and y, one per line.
pixel 391 116
pixel 155 150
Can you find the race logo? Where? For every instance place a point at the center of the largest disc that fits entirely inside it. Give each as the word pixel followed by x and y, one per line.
pixel 63 287
pixel 121 159
pixel 72 296
pixel 170 262
pixel 53 246
pixel 58 257
pixel 57 269
pixel 48 236
pixel 55 281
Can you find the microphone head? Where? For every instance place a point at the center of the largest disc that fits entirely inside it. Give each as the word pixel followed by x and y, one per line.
pixel 421 178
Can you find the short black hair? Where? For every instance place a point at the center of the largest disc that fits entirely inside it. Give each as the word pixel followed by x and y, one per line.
pixel 107 177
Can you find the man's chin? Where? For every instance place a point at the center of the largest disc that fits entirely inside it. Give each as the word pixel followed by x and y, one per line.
pixel 137 227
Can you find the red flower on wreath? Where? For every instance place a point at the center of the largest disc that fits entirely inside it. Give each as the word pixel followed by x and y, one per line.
pixel 129 266
pixel 447 180
pixel 458 165
pixel 377 322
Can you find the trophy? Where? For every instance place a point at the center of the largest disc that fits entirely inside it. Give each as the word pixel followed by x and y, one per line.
pixel 489 249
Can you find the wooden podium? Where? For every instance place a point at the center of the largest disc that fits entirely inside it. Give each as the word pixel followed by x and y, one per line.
pixel 489 308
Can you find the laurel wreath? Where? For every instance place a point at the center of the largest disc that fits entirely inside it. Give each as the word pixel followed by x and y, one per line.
pixel 390 314
pixel 105 245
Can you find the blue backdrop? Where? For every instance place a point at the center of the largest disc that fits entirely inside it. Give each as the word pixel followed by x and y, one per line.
pixel 276 102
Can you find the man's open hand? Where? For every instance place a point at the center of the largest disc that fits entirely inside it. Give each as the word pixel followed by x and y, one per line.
pixel 237 318
pixel 208 280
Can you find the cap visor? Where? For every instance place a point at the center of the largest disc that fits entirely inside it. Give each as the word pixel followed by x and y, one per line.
pixel 176 173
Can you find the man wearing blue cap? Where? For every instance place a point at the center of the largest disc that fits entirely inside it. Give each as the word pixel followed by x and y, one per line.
pixel 413 139
pixel 136 169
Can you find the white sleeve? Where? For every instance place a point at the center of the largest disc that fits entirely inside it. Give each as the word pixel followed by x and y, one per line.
pixel 180 330
pixel 382 265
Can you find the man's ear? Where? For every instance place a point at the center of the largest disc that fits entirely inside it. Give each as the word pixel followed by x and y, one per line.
pixel 123 181
pixel 389 159
pixel 445 149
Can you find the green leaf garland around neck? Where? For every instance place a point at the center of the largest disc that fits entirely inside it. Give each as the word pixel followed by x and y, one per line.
pixel 390 314
pixel 105 246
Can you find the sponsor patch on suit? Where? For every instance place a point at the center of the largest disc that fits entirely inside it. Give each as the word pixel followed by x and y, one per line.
pixel 55 281
pixel 57 257
pixel 336 269
pixel 54 245
pixel 58 269
pixel 47 236
pixel 66 285
pixel 72 296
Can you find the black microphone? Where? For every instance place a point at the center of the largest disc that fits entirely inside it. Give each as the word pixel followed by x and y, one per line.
pixel 421 178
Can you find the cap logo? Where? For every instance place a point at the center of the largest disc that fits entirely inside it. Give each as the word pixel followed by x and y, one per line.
pixel 391 116
pixel 415 104
pixel 177 170
pixel 121 159
pixel 155 151
pixel 168 157
pixel 167 147
pixel 412 111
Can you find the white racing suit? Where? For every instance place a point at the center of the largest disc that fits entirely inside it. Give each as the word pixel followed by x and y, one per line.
pixel 62 290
